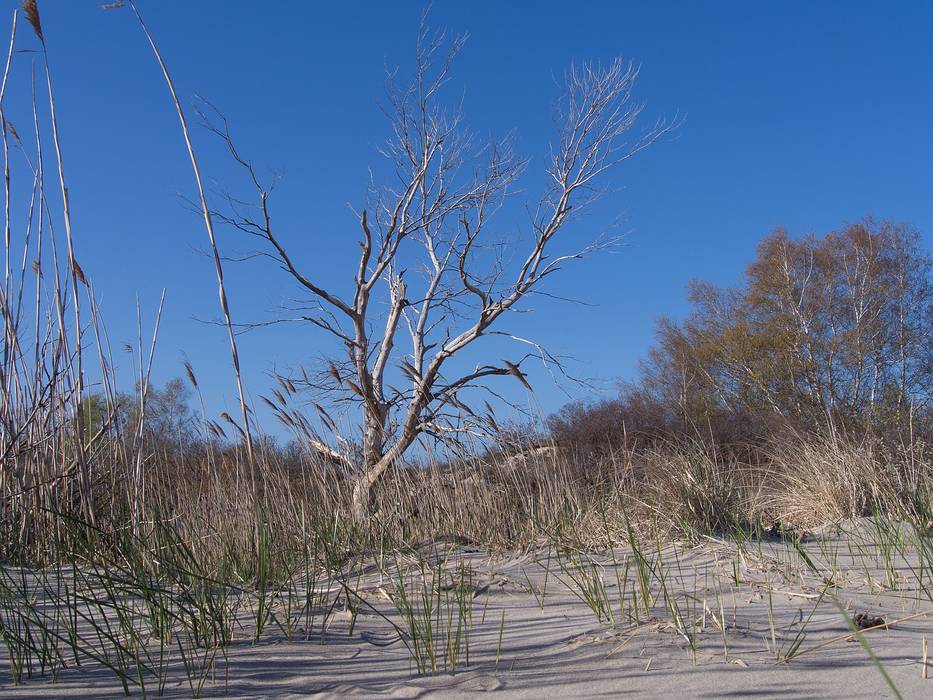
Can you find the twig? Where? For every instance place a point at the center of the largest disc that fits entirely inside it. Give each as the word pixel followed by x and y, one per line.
pixel 851 635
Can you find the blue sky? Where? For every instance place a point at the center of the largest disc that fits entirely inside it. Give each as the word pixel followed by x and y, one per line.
pixel 803 115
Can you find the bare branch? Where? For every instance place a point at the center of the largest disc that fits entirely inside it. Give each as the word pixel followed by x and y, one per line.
pixel 433 218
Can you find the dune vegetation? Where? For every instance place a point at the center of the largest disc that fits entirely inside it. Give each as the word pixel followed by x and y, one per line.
pixel 760 496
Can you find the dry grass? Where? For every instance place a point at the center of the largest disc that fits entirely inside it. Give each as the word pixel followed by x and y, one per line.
pixel 78 484
pixel 516 504
pixel 822 479
pixel 61 462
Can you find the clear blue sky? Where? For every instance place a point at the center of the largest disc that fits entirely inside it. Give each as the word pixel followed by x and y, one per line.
pixel 806 115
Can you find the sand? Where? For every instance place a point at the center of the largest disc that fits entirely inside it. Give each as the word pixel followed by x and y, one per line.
pixel 764 594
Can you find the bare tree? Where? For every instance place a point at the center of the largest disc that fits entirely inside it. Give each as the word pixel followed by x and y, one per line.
pixel 435 217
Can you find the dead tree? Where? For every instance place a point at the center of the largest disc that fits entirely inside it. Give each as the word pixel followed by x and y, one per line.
pixel 436 217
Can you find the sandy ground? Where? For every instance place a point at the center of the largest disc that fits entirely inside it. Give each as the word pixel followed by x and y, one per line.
pixel 743 609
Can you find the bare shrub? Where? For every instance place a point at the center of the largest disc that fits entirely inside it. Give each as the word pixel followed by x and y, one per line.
pixel 394 374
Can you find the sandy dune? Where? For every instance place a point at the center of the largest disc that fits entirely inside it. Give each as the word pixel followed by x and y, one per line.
pixel 553 644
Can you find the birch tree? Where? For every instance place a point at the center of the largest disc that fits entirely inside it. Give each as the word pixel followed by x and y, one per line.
pixel 838 327
pixel 434 278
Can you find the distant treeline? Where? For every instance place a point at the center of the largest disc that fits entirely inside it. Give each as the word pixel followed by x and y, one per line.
pixel 831 332
pixel 824 332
